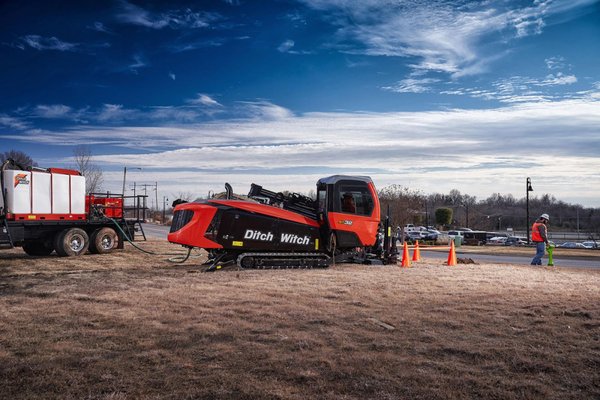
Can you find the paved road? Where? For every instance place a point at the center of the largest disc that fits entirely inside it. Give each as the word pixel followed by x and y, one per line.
pixel 500 259
pixel 156 231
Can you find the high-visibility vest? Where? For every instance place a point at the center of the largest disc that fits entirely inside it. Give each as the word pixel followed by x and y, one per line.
pixel 535 232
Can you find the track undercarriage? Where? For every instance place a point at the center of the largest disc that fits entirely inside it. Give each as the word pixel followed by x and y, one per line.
pixel 267 260
pixel 289 260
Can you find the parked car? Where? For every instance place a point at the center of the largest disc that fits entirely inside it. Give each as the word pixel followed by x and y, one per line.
pixel 496 240
pixel 591 244
pixel 432 234
pixel 515 241
pixel 572 245
pixel 416 235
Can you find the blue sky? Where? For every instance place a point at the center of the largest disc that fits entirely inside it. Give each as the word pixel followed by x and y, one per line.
pixel 433 95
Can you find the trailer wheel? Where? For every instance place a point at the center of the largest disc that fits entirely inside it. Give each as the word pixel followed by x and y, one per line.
pixel 37 248
pixel 103 241
pixel 71 242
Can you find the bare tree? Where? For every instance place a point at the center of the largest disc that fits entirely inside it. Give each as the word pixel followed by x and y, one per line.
pixel 19 157
pixel 185 196
pixel 93 174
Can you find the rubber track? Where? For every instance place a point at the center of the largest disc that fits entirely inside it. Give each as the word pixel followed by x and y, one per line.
pixel 317 260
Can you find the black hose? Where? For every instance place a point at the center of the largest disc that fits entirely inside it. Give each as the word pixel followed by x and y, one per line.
pixel 180 257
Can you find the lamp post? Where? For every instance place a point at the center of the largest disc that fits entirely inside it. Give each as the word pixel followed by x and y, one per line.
pixel 528 189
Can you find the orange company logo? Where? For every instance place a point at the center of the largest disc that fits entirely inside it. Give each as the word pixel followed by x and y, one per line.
pixel 21 179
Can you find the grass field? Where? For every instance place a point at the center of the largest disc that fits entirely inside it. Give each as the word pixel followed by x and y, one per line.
pixel 130 325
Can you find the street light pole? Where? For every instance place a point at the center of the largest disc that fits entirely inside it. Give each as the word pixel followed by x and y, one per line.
pixel 528 189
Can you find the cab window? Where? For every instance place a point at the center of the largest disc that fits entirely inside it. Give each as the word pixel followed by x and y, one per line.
pixel 355 200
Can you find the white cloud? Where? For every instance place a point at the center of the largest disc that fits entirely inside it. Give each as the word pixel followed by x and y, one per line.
pixel 442 36
pixel 553 63
pixel 172 76
pixel 174 19
pixel 412 85
pixel 12 122
pixel 100 27
pixel 44 43
pixel 204 100
pixel 138 62
pixel 558 79
pixel 285 46
pixel 115 113
pixel 264 110
pixel 52 111
pixel 521 89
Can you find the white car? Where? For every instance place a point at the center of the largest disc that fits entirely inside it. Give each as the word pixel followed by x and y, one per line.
pixel 497 240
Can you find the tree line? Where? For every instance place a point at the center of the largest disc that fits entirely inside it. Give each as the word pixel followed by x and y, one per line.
pixel 495 213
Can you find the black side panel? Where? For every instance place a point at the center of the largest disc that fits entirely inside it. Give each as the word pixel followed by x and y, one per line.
pixel 347 239
pixel 242 230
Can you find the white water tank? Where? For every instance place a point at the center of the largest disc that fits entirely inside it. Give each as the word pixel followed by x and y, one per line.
pixel 43 195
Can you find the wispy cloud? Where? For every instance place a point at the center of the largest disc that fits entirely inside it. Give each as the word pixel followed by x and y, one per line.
pixel 441 36
pixel 196 44
pixel 52 111
pixel 138 62
pixel 558 79
pixel 45 43
pixel 100 27
pixel 175 19
pixel 172 76
pixel 13 122
pixel 285 46
pixel 204 100
pixel 288 47
pixel 520 89
pixel 264 110
pixel 412 85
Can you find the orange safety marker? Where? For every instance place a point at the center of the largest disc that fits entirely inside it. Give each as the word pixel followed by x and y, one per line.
pixel 452 255
pixel 405 257
pixel 416 252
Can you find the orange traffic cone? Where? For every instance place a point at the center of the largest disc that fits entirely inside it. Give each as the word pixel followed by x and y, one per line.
pixel 405 257
pixel 452 255
pixel 416 252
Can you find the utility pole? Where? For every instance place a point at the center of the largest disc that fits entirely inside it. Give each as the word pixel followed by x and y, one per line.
pixel 164 209
pixel 134 188
pixel 156 194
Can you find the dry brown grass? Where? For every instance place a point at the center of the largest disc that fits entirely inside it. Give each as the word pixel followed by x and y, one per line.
pixel 129 325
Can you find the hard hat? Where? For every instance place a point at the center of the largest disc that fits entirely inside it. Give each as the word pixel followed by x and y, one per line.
pixel 545 216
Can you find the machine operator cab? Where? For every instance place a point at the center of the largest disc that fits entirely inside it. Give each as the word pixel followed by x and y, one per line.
pixel 348 208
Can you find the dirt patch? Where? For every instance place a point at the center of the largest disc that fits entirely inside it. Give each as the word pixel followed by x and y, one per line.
pixel 131 325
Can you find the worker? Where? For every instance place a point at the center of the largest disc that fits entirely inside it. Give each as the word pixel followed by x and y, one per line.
pixel 348 204
pixel 539 236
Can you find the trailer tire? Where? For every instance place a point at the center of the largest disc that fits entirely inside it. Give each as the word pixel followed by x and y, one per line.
pixel 103 241
pixel 71 242
pixel 37 248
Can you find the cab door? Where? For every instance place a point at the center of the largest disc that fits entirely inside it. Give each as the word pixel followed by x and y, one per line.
pixel 353 213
